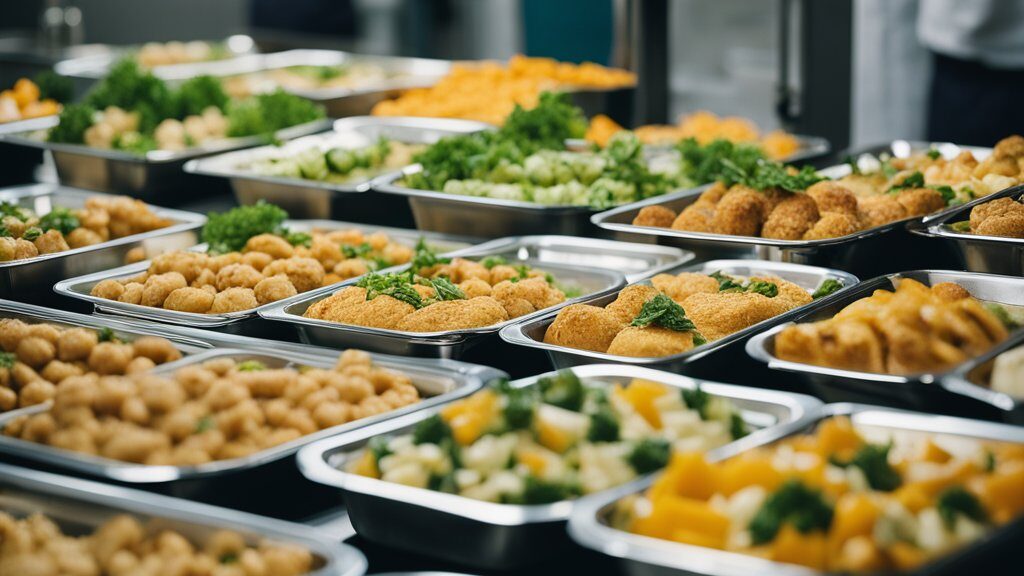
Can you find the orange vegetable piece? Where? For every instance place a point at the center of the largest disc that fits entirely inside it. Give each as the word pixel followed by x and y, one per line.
pixel 805 549
pixel 837 436
pixel 855 515
pixel 750 470
pixel 912 497
pixel 684 520
pixel 367 465
pixel 933 453
pixel 906 556
pixel 641 394
pixel 688 475
pixel 1002 493
pixel 470 418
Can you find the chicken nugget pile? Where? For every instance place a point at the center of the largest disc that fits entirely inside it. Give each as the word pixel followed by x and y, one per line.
pixel 24 234
pixel 23 102
pixel 1000 217
pixel 489 91
pixel 842 499
pixel 445 295
pixel 36 358
pixel 900 188
pixel 914 329
pixel 217 410
pixel 37 545
pixel 703 126
pixel 673 314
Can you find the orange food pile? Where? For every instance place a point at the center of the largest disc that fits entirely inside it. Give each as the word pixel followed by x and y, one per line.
pixel 22 102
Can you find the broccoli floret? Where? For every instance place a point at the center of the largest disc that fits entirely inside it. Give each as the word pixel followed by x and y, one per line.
pixel 564 390
pixel 229 231
pixel 130 87
pixel 604 425
pixel 649 454
pixel 251 366
pixel 378 446
pixel 270 112
pixel 955 501
pixel 54 86
pixel 432 430
pixel 199 93
pixel 873 461
pixel 696 400
pixel 75 119
pixel 59 218
pixel 537 491
pixel 737 426
pixel 828 286
pixel 106 334
pixel 519 406
pixel 443 483
pixel 803 507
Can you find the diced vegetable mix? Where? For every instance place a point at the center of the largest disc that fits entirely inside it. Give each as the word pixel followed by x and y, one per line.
pixel 558 439
pixel 839 499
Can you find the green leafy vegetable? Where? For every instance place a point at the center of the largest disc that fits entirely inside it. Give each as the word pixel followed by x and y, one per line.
pixel 267 113
pixel 378 446
pixel 445 290
pixel 827 287
pixel 298 238
pixel 130 87
pixel 538 491
pixel 229 231
pixel 956 501
pixel 934 154
pixel 663 311
pixel 910 181
pixel 205 423
pixel 197 94
pixel 519 406
pixel 397 286
pixel 75 119
pixel 492 261
pixel 853 164
pixel 7 359
pixel 432 430
pixel 963 227
pixel 769 289
pixel 106 335
pixel 604 425
pixel 714 160
pixel 697 400
pixel 32 233
pixel 425 257
pixel 794 503
pixel 729 284
pixel 61 219
pixel 251 366
pixel 1003 315
pixel 649 454
pixel 547 126
pixel 564 390
pixel 873 461
pixel 359 251
pixel 737 426
pixel 766 175
pixel 54 86
pixel 12 209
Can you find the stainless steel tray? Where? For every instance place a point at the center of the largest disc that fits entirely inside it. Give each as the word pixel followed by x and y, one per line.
pixel 810 147
pixel 879 250
pixel 443 344
pixel 504 536
pixel 971 380
pixel 79 504
pixel 642 555
pixel 530 333
pixel 151 177
pixel 914 389
pixel 314 199
pixel 991 254
pixel 437 383
pixel 245 321
pixel 241 51
pixel 23 278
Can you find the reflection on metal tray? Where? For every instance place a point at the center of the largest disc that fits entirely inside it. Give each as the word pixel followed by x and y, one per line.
pixel 914 389
pixel 22 278
pixel 245 321
pixel 530 333
pixel 990 254
pixel 504 536
pixel 443 344
pixel 151 177
pixel 590 524
pixel 883 249
pixel 304 198
pixel 437 383
pixel 78 506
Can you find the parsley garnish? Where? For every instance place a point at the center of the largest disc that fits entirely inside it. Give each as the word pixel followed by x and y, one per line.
pixel 663 311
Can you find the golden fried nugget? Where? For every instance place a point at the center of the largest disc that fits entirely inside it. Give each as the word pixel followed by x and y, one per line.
pixel 921 201
pixel 630 300
pixel 879 210
pixel 831 196
pixel 526 296
pixel 791 218
pixel 740 212
pixel 650 342
pixel 832 225
pixel 718 315
pixel 585 327
pixel 656 216
pixel 455 315
pixel 684 284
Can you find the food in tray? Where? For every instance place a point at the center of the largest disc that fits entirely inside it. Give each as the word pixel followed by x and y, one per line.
pixel 337 164
pixel 1000 217
pixel 218 410
pixel 37 358
pixel 769 200
pixel 526 160
pixel 704 128
pixel 677 313
pixel 438 294
pixel 552 441
pixel 842 499
pixel 35 98
pixel 913 329
pixel 308 77
pixel 36 545
pixel 489 91
pixel 153 54
pixel 1006 373
pixel 24 234
pixel 134 111
pixel 253 259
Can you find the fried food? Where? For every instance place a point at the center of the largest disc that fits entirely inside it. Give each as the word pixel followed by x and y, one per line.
pixel 1000 217
pixel 718 315
pixel 683 285
pixel 526 296
pixel 656 216
pixel 650 342
pixel 218 410
pixel 792 218
pixel 705 127
pixel 914 329
pixel 350 306
pixel 584 327
pixel 631 299
pixel 455 315
pixel 740 212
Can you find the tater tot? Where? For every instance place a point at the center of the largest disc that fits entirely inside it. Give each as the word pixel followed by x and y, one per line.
pixel 108 289
pixel 76 344
pixel 36 351
pixel 158 287
pixel 110 357
pixel 159 350
pixel 50 242
pixel 132 293
pixel 258 260
pixel 305 273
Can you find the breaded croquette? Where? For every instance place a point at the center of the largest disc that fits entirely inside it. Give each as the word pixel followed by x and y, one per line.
pixel 832 225
pixel 879 210
pixel 718 315
pixel 584 327
pixel 791 218
pixel 683 285
pixel 526 296
pixel 656 216
pixel 454 315
pixel 831 196
pixel 920 201
pixel 1001 217
pixel 740 212
pixel 350 306
pixel 630 300
pixel 650 342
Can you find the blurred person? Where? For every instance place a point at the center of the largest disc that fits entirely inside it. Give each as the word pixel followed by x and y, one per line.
pixel 977 82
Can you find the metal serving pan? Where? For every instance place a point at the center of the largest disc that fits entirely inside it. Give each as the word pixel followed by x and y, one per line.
pixel 503 536
pixel 79 505
pixel 156 175
pixel 531 332
pixel 245 321
pixel 443 344
pixel 880 250
pixel 314 199
pixel 240 53
pixel 920 390
pixel 992 254
pixel 641 555
pixel 972 380
pixel 33 276
pixel 244 482
pixel 810 147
